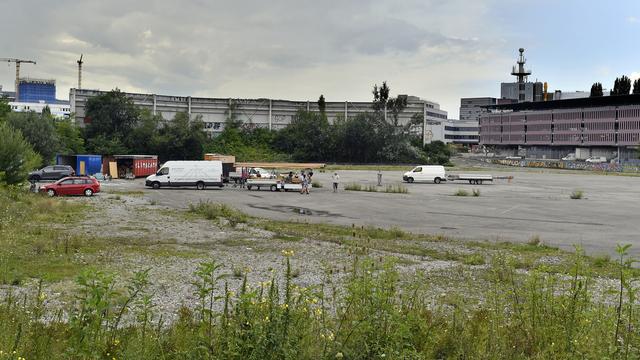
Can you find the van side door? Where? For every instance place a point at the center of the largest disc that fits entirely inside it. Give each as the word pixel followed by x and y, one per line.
pixel 163 176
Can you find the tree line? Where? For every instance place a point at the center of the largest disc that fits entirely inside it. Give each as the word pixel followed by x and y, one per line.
pixel 115 125
pixel 621 86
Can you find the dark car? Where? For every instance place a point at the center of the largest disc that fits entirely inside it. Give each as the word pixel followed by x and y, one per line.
pixel 52 172
pixel 75 185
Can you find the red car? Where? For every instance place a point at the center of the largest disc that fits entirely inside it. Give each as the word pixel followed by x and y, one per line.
pixel 73 185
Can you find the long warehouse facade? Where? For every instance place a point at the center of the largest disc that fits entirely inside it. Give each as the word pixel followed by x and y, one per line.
pixel 276 114
pixel 606 126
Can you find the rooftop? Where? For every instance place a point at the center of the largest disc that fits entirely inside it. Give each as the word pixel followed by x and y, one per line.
pixel 600 101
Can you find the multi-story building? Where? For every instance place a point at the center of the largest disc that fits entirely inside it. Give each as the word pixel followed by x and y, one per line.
pixel 471 108
pixel 59 109
pixel 606 126
pixel 267 113
pixel 36 90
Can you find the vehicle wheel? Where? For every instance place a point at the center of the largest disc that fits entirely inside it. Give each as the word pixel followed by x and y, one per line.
pixel 471 182
pixel 156 185
pixel 274 187
pixel 88 192
pixel 410 180
pixel 51 192
pixel 437 180
pixel 200 185
pixel 248 187
pixel 479 182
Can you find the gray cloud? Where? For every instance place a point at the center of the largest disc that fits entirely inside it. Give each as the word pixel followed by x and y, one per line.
pixel 287 49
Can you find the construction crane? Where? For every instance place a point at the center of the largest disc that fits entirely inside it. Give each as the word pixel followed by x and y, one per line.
pixel 80 62
pixel 18 62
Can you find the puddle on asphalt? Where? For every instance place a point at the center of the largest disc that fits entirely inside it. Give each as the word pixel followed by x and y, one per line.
pixel 296 210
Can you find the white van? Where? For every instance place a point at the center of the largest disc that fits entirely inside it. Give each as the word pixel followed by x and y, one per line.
pixel 187 173
pixel 429 173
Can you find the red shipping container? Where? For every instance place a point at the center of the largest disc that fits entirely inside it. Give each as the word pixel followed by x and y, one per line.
pixel 144 167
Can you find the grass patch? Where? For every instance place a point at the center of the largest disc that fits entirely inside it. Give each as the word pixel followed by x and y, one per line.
pixel 473 259
pixel 33 243
pixel 461 192
pixel 215 211
pixel 316 184
pixel 475 192
pixel 576 194
pixel 396 189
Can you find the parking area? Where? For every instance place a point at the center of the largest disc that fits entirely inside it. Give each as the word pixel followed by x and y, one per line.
pixel 532 204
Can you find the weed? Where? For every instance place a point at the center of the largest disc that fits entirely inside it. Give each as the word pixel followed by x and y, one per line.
pixel 214 211
pixel 353 187
pixel 461 192
pixel 396 189
pixel 316 184
pixel 153 202
pixel 576 194
pixel 475 192
pixel 534 240
pixel 473 259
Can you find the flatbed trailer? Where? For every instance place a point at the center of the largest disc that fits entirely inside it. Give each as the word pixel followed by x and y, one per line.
pixel 476 179
pixel 272 184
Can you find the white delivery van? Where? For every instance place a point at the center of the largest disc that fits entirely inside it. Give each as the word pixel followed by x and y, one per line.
pixel 423 173
pixel 187 173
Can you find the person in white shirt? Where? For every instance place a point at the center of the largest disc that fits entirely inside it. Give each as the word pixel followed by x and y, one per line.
pixel 336 180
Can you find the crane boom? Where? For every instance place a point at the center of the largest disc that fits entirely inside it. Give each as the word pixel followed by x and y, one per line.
pixel 18 62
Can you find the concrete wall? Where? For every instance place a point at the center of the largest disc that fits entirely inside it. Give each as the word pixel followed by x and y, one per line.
pixel 267 113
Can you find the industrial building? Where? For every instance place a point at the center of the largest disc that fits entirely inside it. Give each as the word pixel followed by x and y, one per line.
pixel 268 113
pixel 471 108
pixel 607 126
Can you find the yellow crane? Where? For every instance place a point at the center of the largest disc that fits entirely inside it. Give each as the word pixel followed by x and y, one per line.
pixel 18 62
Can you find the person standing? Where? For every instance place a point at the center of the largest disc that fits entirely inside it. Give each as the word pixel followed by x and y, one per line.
pixel 379 177
pixel 303 181
pixel 336 180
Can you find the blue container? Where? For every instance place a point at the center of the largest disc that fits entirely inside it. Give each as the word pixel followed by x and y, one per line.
pixel 82 164
pixel 88 164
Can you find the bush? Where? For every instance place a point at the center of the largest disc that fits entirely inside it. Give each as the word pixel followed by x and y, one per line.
pixel 396 189
pixel 213 211
pixel 17 157
pixel 461 192
pixel 316 184
pixel 576 194
pixel 353 187
pixel 476 192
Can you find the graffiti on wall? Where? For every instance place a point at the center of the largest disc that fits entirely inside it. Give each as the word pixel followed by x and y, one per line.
pixel 569 165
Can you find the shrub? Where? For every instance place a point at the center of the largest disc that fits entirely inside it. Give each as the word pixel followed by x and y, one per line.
pixel 353 187
pixel 214 211
pixel 17 157
pixel 461 192
pixel 576 194
pixel 316 184
pixel 396 189
pixel 476 192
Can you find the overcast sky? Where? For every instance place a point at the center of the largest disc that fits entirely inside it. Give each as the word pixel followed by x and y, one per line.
pixel 440 50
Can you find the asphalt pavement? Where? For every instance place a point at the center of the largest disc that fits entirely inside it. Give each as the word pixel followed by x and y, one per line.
pixel 532 204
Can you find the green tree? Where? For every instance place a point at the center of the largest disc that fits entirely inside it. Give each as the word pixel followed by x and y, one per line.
pixel 70 137
pixel 437 152
pixel 306 137
pixel 621 86
pixel 636 87
pixel 39 131
pixel 182 139
pixel 596 90
pixel 144 137
pixel 17 157
pixel 5 108
pixel 111 118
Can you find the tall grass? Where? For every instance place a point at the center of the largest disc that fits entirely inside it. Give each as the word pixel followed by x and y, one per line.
pixel 576 194
pixel 393 189
pixel 375 315
pixel 215 211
